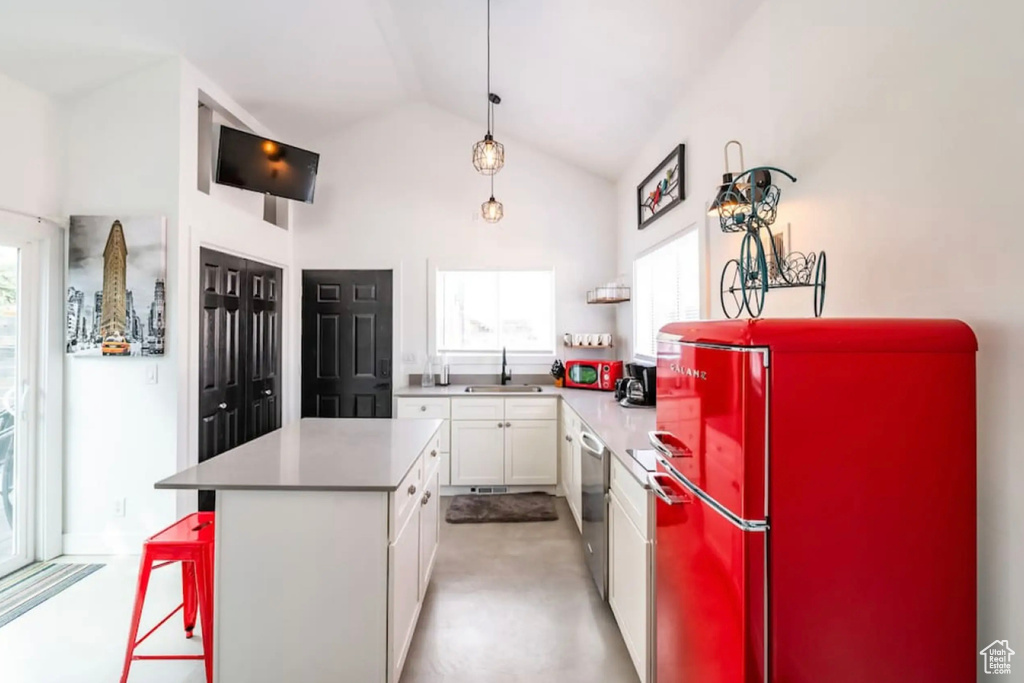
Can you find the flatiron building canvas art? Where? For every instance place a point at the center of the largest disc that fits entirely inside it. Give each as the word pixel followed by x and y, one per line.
pixel 117 274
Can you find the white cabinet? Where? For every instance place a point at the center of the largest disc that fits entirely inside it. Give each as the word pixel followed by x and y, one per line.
pixel 576 490
pixel 430 528
pixel 631 566
pixel 493 443
pixel 403 592
pixel 415 531
pixel 571 456
pixel 565 457
pixel 627 582
pixel 411 408
pixel 478 408
pixel 531 409
pixel 531 452
pixel 478 452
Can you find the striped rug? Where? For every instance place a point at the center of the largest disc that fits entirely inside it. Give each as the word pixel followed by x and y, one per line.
pixel 37 583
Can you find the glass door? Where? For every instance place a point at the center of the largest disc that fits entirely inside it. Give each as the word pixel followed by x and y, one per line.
pixel 15 493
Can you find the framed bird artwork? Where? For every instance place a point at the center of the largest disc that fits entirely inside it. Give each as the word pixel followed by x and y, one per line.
pixel 662 190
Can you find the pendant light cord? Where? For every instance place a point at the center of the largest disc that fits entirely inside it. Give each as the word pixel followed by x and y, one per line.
pixel 490 105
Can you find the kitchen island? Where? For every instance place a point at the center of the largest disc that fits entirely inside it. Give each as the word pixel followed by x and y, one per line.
pixel 325 542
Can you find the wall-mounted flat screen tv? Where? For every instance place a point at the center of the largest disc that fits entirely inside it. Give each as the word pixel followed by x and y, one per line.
pixel 251 162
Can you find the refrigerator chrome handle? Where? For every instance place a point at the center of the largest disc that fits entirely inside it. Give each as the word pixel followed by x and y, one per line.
pixel 660 492
pixel 729 515
pixel 597 449
pixel 661 447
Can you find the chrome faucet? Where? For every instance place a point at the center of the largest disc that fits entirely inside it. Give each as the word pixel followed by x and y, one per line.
pixel 506 371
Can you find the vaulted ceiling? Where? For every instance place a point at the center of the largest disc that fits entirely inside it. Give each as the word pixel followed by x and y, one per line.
pixel 584 80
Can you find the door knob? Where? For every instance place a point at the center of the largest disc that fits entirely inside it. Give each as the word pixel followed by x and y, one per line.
pixel 222 406
pixel 568 438
pixel 423 409
pixel 500 425
pixel 268 392
pixel 412 489
pixel 508 424
pixel 433 454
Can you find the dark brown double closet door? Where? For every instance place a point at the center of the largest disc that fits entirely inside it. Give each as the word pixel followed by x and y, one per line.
pixel 346 343
pixel 239 354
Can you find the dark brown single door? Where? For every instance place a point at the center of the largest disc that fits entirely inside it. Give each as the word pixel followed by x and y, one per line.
pixel 346 343
pixel 221 358
pixel 239 354
pixel 263 342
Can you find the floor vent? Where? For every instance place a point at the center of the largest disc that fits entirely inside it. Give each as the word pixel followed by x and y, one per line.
pixel 489 489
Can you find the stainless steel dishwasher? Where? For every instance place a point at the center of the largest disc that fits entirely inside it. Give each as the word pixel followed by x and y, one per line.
pixel 595 466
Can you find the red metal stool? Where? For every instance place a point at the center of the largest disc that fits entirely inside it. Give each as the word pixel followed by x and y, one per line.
pixel 189 541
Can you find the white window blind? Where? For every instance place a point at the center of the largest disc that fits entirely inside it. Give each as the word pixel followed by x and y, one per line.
pixel 487 310
pixel 666 288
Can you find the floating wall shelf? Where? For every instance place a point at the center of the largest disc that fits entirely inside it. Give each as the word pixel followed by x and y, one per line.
pixel 608 295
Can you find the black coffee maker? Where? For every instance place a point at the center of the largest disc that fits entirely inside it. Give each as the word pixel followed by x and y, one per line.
pixel 640 388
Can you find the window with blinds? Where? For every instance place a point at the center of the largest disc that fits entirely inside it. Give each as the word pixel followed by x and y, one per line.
pixel 666 288
pixel 484 311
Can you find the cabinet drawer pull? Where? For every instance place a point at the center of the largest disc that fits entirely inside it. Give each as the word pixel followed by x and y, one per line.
pixel 222 406
pixel 508 424
pixel 500 425
pixel 568 438
pixel 426 498
pixel 423 409
pixel 412 489
pixel 433 454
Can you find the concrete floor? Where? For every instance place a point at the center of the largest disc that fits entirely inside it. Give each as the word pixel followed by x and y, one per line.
pixel 507 603
pixel 515 603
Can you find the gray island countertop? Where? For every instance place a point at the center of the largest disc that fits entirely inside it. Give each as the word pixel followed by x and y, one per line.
pixel 316 454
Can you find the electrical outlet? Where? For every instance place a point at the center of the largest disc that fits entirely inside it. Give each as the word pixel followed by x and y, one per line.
pixel 119 504
pixel 152 373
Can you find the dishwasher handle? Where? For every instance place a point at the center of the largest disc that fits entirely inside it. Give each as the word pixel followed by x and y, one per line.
pixel 591 443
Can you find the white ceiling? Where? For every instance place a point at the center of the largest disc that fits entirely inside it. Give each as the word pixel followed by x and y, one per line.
pixel 582 79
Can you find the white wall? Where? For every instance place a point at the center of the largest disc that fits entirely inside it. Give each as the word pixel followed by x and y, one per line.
pixel 132 148
pixel 901 122
pixel 120 433
pixel 400 190
pixel 30 136
pixel 228 220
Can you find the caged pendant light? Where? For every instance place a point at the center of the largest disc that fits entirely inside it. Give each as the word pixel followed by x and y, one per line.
pixel 489 154
pixel 492 210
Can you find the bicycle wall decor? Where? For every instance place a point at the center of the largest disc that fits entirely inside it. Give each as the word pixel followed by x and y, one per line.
pixel 748 203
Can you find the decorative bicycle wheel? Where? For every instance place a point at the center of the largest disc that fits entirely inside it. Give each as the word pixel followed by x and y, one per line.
pixel 730 290
pixel 753 273
pixel 820 271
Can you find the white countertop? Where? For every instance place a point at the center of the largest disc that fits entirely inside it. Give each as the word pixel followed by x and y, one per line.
pixel 316 454
pixel 618 428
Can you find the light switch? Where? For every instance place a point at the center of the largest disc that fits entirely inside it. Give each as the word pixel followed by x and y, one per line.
pixel 152 374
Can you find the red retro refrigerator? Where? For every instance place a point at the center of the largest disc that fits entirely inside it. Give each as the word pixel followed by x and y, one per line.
pixel 815 502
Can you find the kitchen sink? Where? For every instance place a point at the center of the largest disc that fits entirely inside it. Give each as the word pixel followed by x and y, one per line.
pixel 506 389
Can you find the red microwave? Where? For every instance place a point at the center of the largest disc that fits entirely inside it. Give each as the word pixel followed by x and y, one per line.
pixel 592 374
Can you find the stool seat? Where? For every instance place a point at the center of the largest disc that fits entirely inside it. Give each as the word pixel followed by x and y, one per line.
pixel 197 528
pixel 189 541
